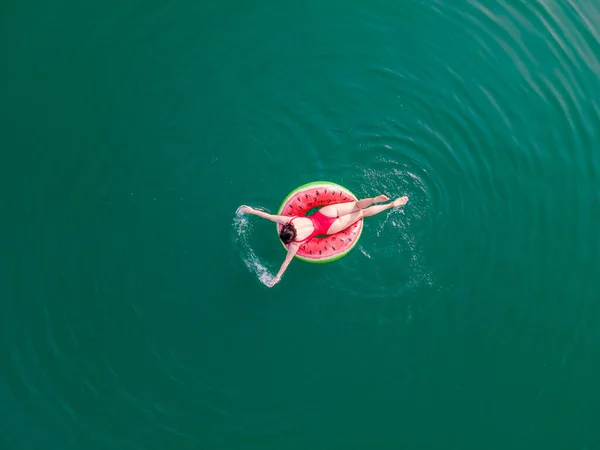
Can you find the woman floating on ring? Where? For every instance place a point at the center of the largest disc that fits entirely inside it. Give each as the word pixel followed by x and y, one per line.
pixel 328 220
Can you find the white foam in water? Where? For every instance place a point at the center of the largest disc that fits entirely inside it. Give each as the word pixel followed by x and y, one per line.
pixel 364 252
pixel 395 181
pixel 391 215
pixel 243 228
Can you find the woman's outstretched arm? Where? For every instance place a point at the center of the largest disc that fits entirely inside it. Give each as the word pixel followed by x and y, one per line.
pixel 272 217
pixel 293 248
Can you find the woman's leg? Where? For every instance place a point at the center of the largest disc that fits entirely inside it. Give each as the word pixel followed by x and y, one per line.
pixel 341 209
pixel 346 220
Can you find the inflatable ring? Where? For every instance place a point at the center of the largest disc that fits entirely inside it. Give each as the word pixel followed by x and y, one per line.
pixel 313 195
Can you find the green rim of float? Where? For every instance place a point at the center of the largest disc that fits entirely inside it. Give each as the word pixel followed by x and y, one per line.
pixel 318 184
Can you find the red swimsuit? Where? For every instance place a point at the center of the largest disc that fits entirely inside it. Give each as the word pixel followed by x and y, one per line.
pixel 321 224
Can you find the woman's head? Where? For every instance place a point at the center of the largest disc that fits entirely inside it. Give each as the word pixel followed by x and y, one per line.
pixel 288 233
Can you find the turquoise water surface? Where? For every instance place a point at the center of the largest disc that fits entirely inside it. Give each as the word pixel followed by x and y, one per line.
pixel 135 312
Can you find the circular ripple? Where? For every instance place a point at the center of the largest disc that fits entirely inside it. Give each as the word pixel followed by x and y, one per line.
pixel 461 149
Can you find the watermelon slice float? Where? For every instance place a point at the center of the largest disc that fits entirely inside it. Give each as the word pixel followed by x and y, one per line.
pixel 313 196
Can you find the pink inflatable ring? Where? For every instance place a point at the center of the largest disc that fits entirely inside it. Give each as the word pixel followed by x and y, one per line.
pixel 314 195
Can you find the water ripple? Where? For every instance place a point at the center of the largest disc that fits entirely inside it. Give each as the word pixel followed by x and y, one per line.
pixel 461 121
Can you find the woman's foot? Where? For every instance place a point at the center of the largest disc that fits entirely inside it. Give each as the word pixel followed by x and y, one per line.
pixel 372 210
pixel 381 198
pixel 400 202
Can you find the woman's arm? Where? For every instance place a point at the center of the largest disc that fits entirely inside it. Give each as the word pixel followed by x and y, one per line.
pixel 272 217
pixel 288 259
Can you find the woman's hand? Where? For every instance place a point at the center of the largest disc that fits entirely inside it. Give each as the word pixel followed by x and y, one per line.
pixel 274 281
pixel 292 250
pixel 246 209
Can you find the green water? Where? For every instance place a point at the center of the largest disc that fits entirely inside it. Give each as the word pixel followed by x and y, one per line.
pixel 132 313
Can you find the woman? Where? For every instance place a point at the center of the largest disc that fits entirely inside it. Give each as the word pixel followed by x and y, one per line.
pixel 328 220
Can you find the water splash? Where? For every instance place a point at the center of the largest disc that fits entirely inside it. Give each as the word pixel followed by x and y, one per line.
pixel 400 232
pixel 243 227
pixel 364 252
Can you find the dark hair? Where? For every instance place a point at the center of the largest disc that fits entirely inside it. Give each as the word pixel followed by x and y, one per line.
pixel 288 233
